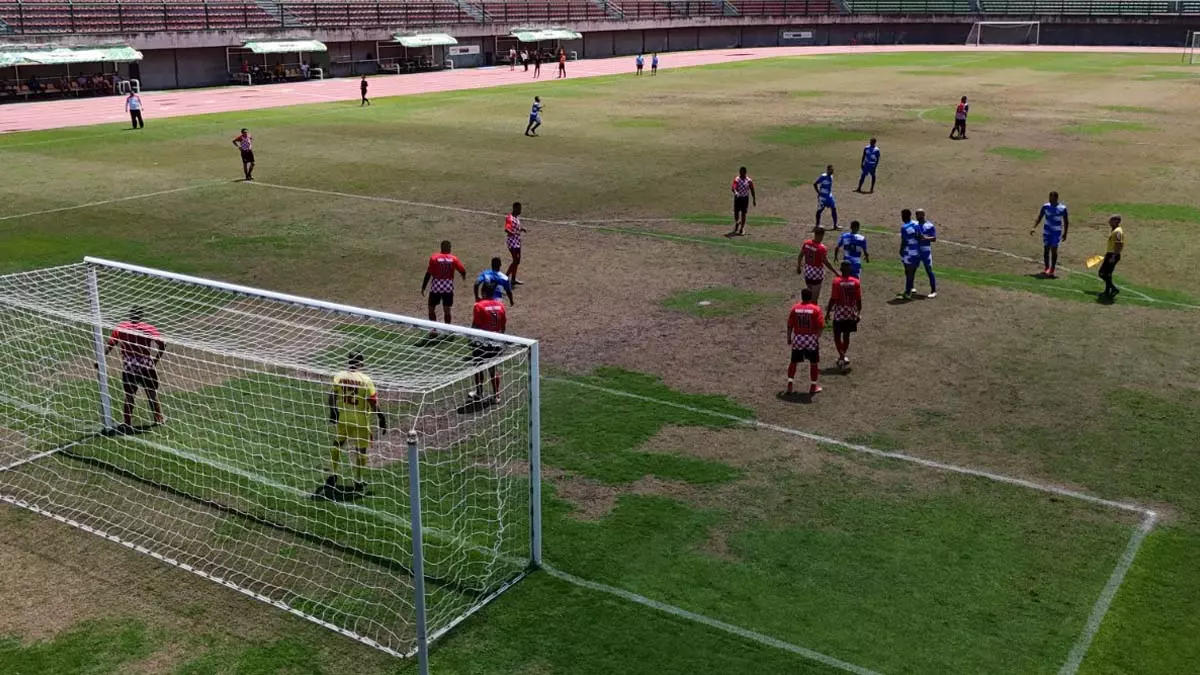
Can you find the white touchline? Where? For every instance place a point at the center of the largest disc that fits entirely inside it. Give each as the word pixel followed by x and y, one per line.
pixel 932 464
pixel 710 622
pixel 115 200
pixel 1100 609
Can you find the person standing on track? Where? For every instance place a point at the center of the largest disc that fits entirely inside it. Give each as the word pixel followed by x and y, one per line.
pixel 537 63
pixel 512 58
pixel 512 239
pixel 743 195
pixel 362 86
pixel 245 143
pixel 133 106
pixel 562 63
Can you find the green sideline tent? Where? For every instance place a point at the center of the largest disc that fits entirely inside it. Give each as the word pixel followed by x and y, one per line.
pixel 47 55
pixel 286 47
pixel 544 34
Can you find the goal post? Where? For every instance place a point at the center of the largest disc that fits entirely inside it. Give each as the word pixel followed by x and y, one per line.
pixel 1190 46
pixel 263 476
pixel 984 33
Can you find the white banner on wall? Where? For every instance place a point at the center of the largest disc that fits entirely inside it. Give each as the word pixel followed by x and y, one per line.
pixel 462 50
pixel 798 35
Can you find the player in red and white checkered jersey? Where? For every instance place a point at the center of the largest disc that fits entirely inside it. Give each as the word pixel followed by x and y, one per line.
pixel 442 267
pixel 845 307
pixel 805 323
pixel 743 193
pixel 813 261
pixel 512 239
pixel 141 348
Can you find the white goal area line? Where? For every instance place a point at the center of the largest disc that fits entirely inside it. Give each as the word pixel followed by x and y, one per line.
pixel 1099 609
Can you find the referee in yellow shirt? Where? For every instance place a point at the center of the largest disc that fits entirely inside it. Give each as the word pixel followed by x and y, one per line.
pixel 1112 256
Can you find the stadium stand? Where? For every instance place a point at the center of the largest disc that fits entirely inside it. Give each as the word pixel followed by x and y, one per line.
pixel 520 11
pixel 919 7
pixel 785 7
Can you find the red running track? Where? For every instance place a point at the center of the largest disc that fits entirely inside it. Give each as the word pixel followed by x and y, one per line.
pixel 43 115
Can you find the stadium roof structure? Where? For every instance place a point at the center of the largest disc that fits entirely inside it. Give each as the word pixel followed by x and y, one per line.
pixel 544 34
pixel 48 55
pixel 425 39
pixel 285 47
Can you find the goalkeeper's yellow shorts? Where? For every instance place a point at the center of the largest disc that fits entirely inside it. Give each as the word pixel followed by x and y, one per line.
pixel 358 434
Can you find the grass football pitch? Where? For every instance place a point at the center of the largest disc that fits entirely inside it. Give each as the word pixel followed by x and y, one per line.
pixel 673 471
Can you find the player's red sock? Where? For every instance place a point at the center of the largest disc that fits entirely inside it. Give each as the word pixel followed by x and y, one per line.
pixel 512 271
pixel 814 373
pixel 791 376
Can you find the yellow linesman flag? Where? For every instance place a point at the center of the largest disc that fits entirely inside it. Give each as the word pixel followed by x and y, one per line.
pixel 1094 260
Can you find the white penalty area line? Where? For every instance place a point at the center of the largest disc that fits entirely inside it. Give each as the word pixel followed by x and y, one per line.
pixel 747 634
pixel 115 200
pixel 1078 651
pixel 1100 609
pixel 825 440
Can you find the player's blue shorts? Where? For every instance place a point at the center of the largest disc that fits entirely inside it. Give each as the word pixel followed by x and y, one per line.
pixel 926 258
pixel 535 118
pixel 1051 239
pixel 910 260
pixel 824 201
pixel 855 267
pixel 868 170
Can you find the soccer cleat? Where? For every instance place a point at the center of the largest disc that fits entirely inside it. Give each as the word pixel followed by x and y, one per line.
pixel 816 389
pixel 1046 272
pixel 790 382
pixel 932 294
pixel 517 283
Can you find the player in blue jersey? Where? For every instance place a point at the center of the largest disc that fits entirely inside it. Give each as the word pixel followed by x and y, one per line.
pixel 928 235
pixel 1054 220
pixel 870 162
pixel 823 186
pixel 535 117
pixel 640 62
pixel 910 251
pixel 854 244
pixel 497 280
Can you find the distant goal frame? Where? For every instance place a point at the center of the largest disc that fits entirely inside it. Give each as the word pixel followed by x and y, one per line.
pixel 977 31
pixel 1191 45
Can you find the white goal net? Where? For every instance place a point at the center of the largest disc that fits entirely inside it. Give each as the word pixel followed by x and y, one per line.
pixel 241 482
pixel 1190 46
pixel 985 33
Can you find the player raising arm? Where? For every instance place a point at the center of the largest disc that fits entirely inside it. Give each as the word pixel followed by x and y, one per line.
pixel 441 269
pixel 1055 222
pixel 854 244
pixel 805 323
pixel 498 281
pixel 139 364
pixel 845 307
pixel 491 316
pixel 351 401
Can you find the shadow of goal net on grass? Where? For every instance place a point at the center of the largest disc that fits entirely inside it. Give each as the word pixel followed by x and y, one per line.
pixel 299 443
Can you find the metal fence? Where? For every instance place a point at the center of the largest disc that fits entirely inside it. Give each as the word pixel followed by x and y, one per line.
pixel 52 16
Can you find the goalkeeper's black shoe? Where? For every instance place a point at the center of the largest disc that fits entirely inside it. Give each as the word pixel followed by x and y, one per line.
pixel 329 489
pixel 361 489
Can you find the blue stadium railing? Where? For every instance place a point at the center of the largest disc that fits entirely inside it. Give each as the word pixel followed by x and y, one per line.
pixel 52 17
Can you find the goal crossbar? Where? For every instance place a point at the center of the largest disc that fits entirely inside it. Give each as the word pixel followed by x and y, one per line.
pixel 1032 34
pixel 224 490
pixel 310 302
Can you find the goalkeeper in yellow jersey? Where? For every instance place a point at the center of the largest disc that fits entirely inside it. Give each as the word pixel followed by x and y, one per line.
pixel 352 399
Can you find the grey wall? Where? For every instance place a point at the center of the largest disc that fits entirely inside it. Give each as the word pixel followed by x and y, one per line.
pixel 627 43
pixel 683 39
pixel 597 45
pixel 720 38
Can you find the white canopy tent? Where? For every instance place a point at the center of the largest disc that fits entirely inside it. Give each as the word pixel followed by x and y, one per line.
pixel 407 41
pixel 267 47
pixel 17 55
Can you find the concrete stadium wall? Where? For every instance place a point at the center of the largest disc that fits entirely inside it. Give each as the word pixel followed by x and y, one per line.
pixel 195 59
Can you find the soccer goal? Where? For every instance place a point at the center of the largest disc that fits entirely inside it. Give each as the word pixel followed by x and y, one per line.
pixel 1190 46
pixel 391 546
pixel 985 33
